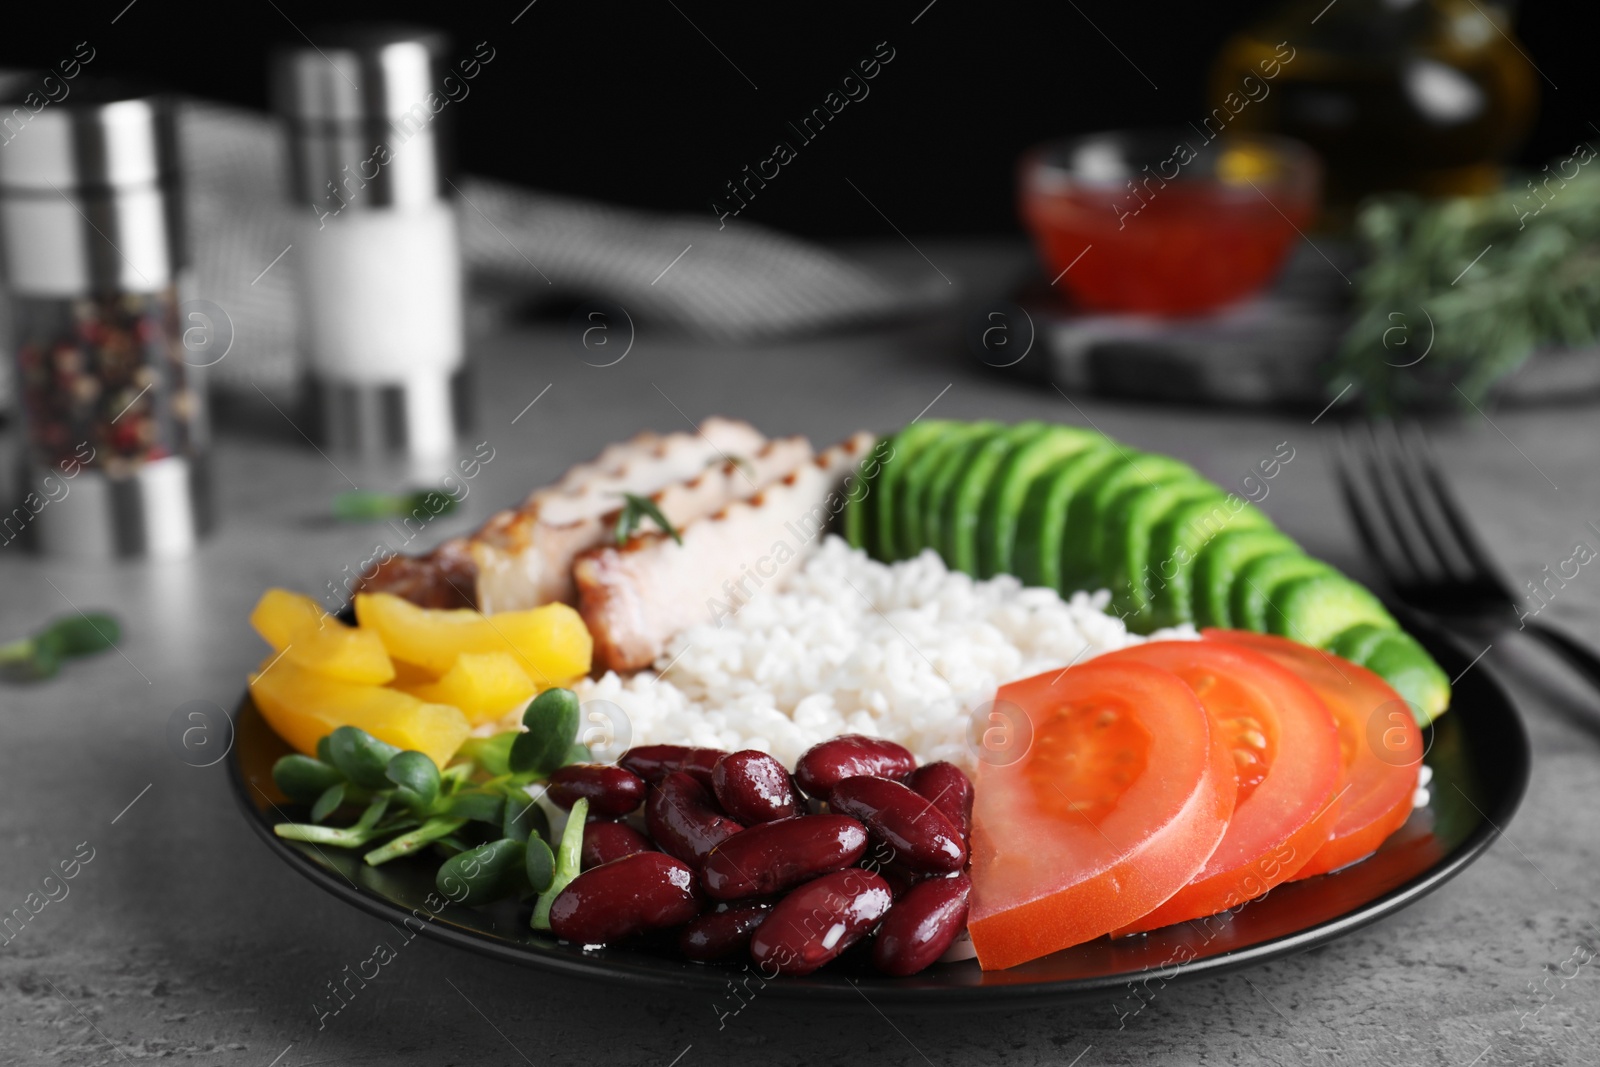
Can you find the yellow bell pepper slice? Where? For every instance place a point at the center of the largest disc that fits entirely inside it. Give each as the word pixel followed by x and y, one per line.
pixel 484 685
pixel 303 707
pixel 280 614
pixel 342 652
pixel 309 637
pixel 550 643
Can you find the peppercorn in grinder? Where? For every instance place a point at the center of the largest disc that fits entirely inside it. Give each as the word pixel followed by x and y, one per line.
pixel 92 247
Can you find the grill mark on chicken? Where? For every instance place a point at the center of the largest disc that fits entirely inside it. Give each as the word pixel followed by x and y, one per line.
pixel 522 557
pixel 637 597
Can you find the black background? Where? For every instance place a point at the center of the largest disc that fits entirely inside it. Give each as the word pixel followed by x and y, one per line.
pixel 632 103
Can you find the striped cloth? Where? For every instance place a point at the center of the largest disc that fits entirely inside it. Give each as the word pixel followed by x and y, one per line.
pixel 742 282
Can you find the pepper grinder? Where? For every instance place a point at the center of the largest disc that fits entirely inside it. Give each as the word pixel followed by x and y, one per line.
pixel 380 263
pixel 92 243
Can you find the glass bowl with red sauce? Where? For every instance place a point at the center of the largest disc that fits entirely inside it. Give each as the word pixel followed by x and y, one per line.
pixel 1166 223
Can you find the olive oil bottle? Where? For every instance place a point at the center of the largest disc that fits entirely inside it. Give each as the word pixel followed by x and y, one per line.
pixel 1429 96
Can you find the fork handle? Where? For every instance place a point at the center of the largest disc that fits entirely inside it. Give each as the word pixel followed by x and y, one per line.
pixel 1576 655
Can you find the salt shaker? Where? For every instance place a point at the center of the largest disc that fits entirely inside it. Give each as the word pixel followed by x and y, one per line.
pixel 379 255
pixel 92 243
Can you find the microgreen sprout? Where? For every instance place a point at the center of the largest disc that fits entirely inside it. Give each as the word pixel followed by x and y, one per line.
pixel 407 804
pixel 39 656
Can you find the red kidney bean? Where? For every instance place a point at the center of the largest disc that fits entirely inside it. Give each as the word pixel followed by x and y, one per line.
pixel 951 792
pixel 819 920
pixel 753 787
pixel 922 924
pixel 655 762
pixel 827 764
pixel 722 934
pixel 604 841
pixel 611 790
pixel 900 879
pixel 645 891
pixel 683 820
pixel 922 838
pixel 771 857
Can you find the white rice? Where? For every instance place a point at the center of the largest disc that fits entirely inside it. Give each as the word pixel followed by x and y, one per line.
pixel 908 651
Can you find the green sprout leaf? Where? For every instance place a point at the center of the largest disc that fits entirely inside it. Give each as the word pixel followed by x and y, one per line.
pixel 540 867
pixel 484 874
pixel 39 656
pixel 304 779
pixel 568 862
pixel 552 721
pixel 634 509
pixel 524 818
pixel 417 777
pixel 328 802
pixel 478 807
pixel 492 755
pixel 361 757
pixel 366 505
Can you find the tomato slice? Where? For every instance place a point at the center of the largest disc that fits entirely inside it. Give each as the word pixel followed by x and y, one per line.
pixel 1116 804
pixel 1285 751
pixel 1378 738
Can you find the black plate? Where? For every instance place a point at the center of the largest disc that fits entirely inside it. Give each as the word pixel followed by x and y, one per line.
pixel 1480 760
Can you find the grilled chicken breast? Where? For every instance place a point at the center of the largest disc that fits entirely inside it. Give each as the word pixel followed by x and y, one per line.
pixel 637 597
pixel 522 557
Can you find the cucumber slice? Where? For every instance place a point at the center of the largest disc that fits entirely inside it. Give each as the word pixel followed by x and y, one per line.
pixel 963 509
pixel 1218 566
pixel 858 523
pixel 1086 519
pixel 904 448
pixel 912 489
pixel 1357 643
pixel 1318 608
pixel 1254 598
pixel 1126 558
pixel 1175 546
pixel 1002 510
pixel 1042 526
pixel 924 523
pixel 1399 660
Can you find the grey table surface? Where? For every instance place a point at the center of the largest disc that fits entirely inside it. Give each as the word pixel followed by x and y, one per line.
pixel 184 937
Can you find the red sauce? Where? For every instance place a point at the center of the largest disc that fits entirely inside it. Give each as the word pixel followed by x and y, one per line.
pixel 1183 249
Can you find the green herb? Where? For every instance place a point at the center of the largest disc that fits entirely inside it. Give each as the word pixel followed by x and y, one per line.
pixel 568 862
pixel 479 807
pixel 416 778
pixel 367 505
pixel 413 804
pixel 552 720
pixel 540 867
pixel 637 508
pixel 408 843
pixel 1458 293
pixel 39 656
pixel 362 758
pixel 329 802
pixel 484 874
pixel 304 779
pixel 524 818
pixel 493 754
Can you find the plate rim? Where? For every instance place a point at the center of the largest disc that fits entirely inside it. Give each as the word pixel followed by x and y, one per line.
pixel 978 997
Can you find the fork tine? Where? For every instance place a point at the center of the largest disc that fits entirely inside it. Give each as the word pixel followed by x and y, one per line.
pixel 1415 496
pixel 1362 514
pixel 1467 544
pixel 1393 505
pixel 1409 469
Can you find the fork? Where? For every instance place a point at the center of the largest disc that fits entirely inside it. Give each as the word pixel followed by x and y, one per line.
pixel 1409 522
